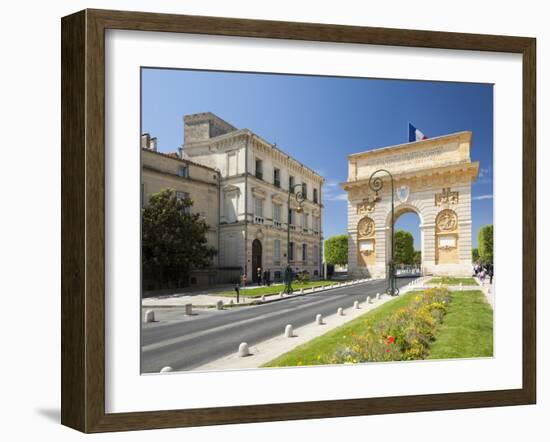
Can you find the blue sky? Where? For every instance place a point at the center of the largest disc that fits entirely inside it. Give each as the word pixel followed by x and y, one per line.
pixel 321 120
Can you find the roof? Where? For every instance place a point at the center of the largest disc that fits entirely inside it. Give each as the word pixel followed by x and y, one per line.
pixel 175 156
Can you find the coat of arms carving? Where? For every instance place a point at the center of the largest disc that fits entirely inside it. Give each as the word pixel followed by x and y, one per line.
pixel 446 197
pixel 403 193
pixel 366 207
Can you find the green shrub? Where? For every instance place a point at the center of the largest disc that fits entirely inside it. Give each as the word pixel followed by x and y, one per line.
pixel 303 277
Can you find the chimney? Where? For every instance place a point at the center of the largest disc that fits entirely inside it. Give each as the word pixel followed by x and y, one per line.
pixel 148 143
pixel 145 140
pixel 204 126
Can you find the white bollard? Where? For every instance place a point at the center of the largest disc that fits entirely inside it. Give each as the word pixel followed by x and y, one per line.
pixel 263 298
pixel 319 319
pixel 149 316
pixel 281 294
pixel 231 302
pixel 340 311
pixel 368 301
pixel 377 296
pixel 166 369
pixel 356 305
pixel 188 309
pixel 244 350
pixel 301 291
pixel 219 305
pixel 289 332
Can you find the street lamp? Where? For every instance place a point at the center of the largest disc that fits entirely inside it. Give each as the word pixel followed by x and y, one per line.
pixel 376 184
pixel 300 197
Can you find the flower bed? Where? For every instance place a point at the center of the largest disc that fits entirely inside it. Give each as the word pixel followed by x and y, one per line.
pixel 404 335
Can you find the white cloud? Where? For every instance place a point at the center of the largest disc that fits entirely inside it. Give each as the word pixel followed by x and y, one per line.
pixel 484 171
pixel 331 184
pixel 337 197
pixel 483 197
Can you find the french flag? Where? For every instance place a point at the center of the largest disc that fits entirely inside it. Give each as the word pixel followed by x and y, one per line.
pixel 415 134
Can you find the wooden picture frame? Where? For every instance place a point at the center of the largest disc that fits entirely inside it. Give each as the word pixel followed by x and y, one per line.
pixel 83 220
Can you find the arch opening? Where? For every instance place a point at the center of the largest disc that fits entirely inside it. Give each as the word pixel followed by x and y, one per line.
pixel 408 241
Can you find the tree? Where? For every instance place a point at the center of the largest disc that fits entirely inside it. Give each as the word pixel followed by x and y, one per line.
pixel 485 244
pixel 417 259
pixel 173 239
pixel 475 255
pixel 404 247
pixel 336 250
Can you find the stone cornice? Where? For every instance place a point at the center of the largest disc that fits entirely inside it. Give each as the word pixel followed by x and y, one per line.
pixel 465 136
pixel 228 140
pixel 469 170
pixel 294 165
pixel 176 176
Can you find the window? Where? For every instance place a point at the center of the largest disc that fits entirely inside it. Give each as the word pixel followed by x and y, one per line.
pixel 304 252
pixel 230 245
pixel 183 171
pixel 259 169
pixel 291 252
pixel 306 221
pixel 277 252
pixel 315 196
pixel 290 216
pixel 232 164
pixel 304 189
pixel 277 215
pixel 231 207
pixel 316 224
pixel 291 184
pixel 258 210
pixel 183 196
pixel 277 177
pixel 315 254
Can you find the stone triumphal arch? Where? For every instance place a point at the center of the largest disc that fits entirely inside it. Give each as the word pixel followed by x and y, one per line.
pixel 432 178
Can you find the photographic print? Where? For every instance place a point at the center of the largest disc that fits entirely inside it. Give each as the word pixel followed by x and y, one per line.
pixel 300 220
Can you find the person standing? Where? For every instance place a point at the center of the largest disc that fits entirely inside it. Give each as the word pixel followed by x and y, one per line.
pixel 259 275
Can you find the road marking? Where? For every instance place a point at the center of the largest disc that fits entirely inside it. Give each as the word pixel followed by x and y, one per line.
pixel 187 337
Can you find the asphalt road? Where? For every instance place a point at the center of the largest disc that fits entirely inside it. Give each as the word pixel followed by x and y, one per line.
pixel 193 341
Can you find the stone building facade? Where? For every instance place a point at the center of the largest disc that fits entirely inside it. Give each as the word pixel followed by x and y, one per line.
pixel 254 192
pixel 432 178
pixel 188 179
pixel 240 184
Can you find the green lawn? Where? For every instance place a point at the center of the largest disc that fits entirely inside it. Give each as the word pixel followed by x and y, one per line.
pixel 273 289
pixel 447 280
pixel 311 352
pixel 467 330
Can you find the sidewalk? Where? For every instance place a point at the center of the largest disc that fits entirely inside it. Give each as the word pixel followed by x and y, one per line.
pixel 203 300
pixel 485 287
